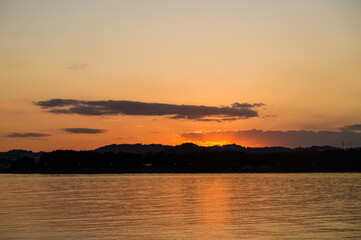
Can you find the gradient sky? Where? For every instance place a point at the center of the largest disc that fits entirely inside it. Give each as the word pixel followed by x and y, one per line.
pixel 301 59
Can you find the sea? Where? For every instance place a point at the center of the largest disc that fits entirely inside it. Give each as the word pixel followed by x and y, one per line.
pixel 181 206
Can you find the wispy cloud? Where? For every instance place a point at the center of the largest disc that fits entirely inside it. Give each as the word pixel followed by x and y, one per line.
pixel 84 130
pixel 278 138
pixel 27 135
pixel 111 107
pixel 78 66
pixel 351 128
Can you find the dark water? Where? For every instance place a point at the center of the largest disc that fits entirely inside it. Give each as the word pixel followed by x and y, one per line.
pixel 181 206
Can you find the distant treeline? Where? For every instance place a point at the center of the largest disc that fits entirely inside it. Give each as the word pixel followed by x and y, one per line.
pixel 68 161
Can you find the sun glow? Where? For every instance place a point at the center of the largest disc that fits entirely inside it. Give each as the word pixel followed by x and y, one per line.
pixel 181 71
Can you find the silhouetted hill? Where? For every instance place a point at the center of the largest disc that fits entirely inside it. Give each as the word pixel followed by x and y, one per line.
pixel 19 153
pixel 233 147
pixel 187 157
pixel 191 147
pixel 186 148
pixel 132 148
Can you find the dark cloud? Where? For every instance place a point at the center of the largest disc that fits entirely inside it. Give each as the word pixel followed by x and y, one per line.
pixel 351 128
pixel 27 135
pixel 84 130
pixel 194 112
pixel 279 138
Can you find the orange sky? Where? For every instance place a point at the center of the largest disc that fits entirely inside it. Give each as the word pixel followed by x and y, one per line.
pixel 301 59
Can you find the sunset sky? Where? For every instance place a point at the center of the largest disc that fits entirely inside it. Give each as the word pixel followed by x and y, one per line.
pixel 83 74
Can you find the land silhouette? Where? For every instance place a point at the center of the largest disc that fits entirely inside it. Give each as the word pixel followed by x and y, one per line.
pixel 185 158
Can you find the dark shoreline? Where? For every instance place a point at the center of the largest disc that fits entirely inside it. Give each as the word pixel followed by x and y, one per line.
pixel 163 171
pixel 185 159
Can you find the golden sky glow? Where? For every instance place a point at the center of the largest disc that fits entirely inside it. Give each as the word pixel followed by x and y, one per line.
pixel 300 58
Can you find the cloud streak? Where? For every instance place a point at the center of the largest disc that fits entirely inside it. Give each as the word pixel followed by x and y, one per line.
pixel 27 135
pixel 278 138
pixel 351 128
pixel 78 67
pixel 84 130
pixel 111 107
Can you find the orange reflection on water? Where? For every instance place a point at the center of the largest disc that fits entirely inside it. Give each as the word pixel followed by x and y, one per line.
pixel 180 206
pixel 214 203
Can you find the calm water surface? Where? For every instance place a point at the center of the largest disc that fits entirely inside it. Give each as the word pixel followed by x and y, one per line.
pixel 181 206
